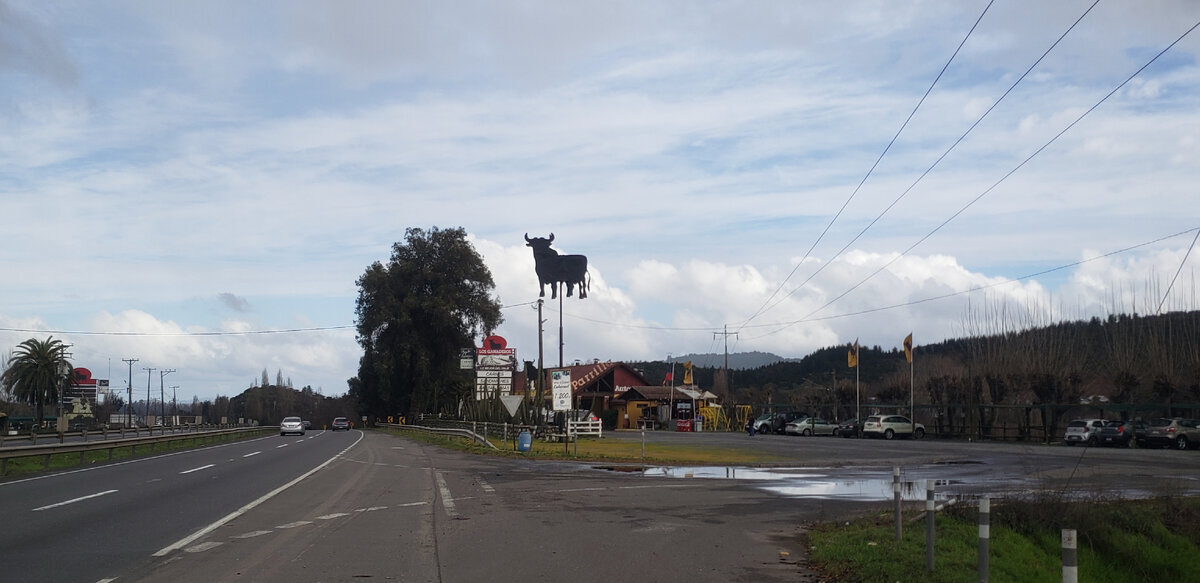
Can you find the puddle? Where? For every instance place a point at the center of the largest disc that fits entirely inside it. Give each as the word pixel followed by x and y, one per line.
pixel 859 484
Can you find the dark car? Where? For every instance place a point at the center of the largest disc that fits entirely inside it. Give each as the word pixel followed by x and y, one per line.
pixel 1120 433
pixel 340 424
pixel 848 428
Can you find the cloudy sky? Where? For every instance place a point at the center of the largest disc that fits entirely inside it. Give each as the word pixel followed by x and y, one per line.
pixel 198 185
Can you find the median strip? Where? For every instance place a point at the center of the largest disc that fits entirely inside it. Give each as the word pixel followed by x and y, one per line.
pixel 74 500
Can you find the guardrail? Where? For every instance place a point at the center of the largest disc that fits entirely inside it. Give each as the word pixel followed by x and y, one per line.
pixel 61 437
pixel 466 433
pixel 51 449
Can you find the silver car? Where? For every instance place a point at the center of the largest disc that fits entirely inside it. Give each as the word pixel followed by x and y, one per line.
pixel 892 426
pixel 291 425
pixel 1083 431
pixel 810 426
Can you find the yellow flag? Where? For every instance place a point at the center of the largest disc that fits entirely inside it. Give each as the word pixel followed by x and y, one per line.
pixel 908 348
pixel 852 355
pixel 687 373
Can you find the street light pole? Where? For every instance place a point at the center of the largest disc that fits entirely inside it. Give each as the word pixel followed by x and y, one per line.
pixel 129 391
pixel 174 404
pixel 162 397
pixel 148 371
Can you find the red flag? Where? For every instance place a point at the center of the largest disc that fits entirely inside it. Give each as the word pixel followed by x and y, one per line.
pixel 668 379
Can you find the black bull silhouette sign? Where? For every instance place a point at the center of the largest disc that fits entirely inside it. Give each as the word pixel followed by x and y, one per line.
pixel 553 268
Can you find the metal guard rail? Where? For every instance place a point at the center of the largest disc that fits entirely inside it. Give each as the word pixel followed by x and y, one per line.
pixel 50 449
pixel 466 433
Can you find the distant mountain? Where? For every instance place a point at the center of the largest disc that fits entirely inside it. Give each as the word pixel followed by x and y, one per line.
pixel 737 360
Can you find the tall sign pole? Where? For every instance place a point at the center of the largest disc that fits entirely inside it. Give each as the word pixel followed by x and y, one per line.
pixel 129 391
pixel 541 380
pixel 560 330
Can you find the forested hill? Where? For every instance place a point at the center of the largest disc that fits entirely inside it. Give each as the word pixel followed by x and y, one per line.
pixel 1122 358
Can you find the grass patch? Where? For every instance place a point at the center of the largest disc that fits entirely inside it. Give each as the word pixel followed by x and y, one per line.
pixel 1118 541
pixel 604 450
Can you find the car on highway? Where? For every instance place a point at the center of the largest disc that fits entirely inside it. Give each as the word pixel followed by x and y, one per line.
pixel 810 426
pixel 1083 431
pixel 891 427
pixel 848 428
pixel 340 424
pixel 1176 432
pixel 291 425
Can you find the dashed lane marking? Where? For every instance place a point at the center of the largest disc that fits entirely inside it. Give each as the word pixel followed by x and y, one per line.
pixel 74 500
pixel 200 548
pixel 444 493
pixel 252 534
pixel 295 524
pixel 486 486
pixel 252 453
pixel 196 469
pixel 332 516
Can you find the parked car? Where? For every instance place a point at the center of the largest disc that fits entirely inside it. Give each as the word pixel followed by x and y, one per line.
pixel 340 424
pixel 1083 431
pixel 762 423
pixel 848 428
pixel 810 426
pixel 780 420
pixel 1178 432
pixel 892 426
pixel 291 425
pixel 1121 433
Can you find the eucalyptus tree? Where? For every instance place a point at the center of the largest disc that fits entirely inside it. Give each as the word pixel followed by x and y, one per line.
pixel 38 372
pixel 415 313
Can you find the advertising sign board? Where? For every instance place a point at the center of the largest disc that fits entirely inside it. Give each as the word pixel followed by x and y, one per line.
pixel 560 386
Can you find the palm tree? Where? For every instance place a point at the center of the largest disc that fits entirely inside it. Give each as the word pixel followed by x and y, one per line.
pixel 38 372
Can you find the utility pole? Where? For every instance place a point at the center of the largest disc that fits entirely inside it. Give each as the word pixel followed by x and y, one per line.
pixel 129 391
pixel 148 371
pixel 162 400
pixel 728 378
pixel 541 395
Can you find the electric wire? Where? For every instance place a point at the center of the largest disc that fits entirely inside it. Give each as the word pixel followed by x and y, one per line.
pixel 1005 177
pixel 1181 264
pixel 935 163
pixel 764 307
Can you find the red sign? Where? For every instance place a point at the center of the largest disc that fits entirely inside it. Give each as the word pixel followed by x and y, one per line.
pixel 495 342
pixel 83 378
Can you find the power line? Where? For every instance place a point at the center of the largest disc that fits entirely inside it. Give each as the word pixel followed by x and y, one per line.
pixel 181 334
pixel 935 162
pixel 764 307
pixel 1014 170
pixel 1181 264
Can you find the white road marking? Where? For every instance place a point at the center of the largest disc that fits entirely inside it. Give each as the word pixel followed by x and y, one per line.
pixel 200 548
pixel 181 543
pixel 295 524
pixel 486 486
pixel 252 534
pixel 107 580
pixel 252 453
pixel 74 500
pixel 279 446
pixel 444 492
pixel 410 504
pixel 196 469
pixel 334 515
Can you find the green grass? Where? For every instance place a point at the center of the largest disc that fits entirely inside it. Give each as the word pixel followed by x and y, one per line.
pixel 604 450
pixel 1118 541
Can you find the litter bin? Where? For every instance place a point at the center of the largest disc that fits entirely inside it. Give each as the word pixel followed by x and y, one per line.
pixel 524 441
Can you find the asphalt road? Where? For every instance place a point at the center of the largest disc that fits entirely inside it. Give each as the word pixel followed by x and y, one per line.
pixel 94 523
pixel 376 506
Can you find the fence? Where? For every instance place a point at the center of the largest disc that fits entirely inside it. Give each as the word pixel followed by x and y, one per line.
pixel 46 451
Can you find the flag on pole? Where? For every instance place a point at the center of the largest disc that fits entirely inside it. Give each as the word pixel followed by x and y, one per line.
pixel 852 355
pixel 687 373
pixel 668 379
pixel 908 348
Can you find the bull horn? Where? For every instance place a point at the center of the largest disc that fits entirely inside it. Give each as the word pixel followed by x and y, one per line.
pixel 526 237
pixel 551 237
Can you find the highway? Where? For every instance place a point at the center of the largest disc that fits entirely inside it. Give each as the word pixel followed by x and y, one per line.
pixel 92 524
pixel 354 505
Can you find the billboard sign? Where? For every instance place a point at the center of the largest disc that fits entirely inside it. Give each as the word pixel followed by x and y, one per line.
pixel 560 386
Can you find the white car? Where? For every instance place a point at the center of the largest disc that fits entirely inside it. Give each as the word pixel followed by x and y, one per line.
pixel 1083 431
pixel 810 426
pixel 291 425
pixel 892 426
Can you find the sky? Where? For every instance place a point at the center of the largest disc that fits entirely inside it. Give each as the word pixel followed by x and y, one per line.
pixel 199 185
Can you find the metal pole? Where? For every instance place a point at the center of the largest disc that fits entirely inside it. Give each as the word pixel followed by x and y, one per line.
pixel 560 328
pixel 148 371
pixel 162 396
pixel 896 496
pixel 129 392
pixel 643 444
pixel 1070 561
pixel 930 509
pixel 541 395
pixel 985 522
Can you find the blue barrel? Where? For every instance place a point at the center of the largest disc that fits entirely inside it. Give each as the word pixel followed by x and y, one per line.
pixel 524 441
